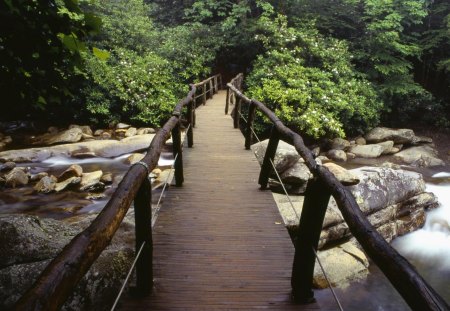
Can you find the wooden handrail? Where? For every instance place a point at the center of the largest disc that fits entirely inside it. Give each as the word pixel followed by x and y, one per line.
pixel 62 274
pixel 418 294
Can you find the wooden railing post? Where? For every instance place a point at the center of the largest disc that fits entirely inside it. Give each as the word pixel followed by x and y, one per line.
pixel 143 229
pixel 249 130
pixel 190 119
pixel 178 153
pixel 237 115
pixel 211 89
pixel 271 150
pixel 215 84
pixel 227 101
pixel 307 240
pixel 204 93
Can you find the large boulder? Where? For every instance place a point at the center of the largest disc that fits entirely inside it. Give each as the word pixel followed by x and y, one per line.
pixel 343 264
pixel 101 148
pixel 16 178
pixel 420 156
pixel 74 170
pixel 47 184
pixel 91 181
pixel 286 155
pixel 338 144
pixel 393 200
pixel 337 155
pixel 367 151
pixel 27 245
pixel 72 135
pixel 398 136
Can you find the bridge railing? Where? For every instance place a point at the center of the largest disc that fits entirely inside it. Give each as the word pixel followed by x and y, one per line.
pixel 59 278
pixel 418 294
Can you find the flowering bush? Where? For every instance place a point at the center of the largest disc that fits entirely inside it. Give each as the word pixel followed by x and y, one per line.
pixel 309 82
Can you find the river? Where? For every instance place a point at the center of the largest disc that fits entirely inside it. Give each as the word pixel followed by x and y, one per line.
pixel 428 248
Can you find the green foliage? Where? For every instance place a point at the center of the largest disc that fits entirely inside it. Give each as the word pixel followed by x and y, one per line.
pixel 129 87
pixel 309 82
pixel 40 48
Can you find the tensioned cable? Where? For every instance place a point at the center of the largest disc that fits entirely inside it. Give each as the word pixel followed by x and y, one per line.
pixel 328 281
pixel 298 218
pixel 128 276
pixel 142 245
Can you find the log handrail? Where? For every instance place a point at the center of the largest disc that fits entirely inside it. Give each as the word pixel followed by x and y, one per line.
pixel 417 293
pixel 61 275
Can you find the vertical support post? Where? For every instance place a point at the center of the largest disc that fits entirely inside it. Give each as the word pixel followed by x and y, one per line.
pixel 178 149
pixel 143 229
pixel 211 88
pixel 227 101
pixel 237 116
pixel 190 119
pixel 204 93
pixel 266 167
pixel 307 239
pixel 249 130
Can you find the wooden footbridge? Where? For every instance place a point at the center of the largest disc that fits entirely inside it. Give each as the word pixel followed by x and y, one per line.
pixel 219 241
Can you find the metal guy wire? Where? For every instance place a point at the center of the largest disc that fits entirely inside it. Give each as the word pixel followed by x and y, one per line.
pixel 298 218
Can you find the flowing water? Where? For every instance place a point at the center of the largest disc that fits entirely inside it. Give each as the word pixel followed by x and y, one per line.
pixel 428 249
pixel 68 203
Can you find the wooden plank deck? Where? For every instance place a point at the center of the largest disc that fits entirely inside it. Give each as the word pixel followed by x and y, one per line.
pixel 219 241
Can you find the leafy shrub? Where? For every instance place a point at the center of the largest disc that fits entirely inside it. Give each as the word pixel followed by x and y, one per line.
pixel 129 87
pixel 309 82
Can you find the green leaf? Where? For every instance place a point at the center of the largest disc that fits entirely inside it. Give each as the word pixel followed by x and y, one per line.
pixel 100 54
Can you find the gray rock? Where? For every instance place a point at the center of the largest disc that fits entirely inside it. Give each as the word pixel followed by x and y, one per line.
pixel 360 141
pixel 133 158
pixel 28 243
pixel 298 174
pixel 337 155
pixel 387 146
pixel 338 144
pixel 346 177
pixel 421 140
pixel 393 200
pixel 101 148
pixel 8 166
pixel 16 178
pixel 25 238
pixel 67 183
pixel 106 135
pixel 73 171
pixel 343 264
pixel 86 129
pixel 420 156
pixel 52 130
pixel 46 185
pixel 350 156
pixel 131 132
pixel 91 181
pixel 399 136
pixel 107 178
pixel 285 157
pixel 121 126
pixel 98 132
pixel 145 130
pixel 367 151
pixel 38 176
pixel 68 136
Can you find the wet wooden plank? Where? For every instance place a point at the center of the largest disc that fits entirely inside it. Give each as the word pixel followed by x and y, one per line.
pixel 219 242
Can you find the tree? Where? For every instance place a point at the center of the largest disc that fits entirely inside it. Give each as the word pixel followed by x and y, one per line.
pixel 40 51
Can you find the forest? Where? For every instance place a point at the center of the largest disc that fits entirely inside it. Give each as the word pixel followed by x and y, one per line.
pixel 328 68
